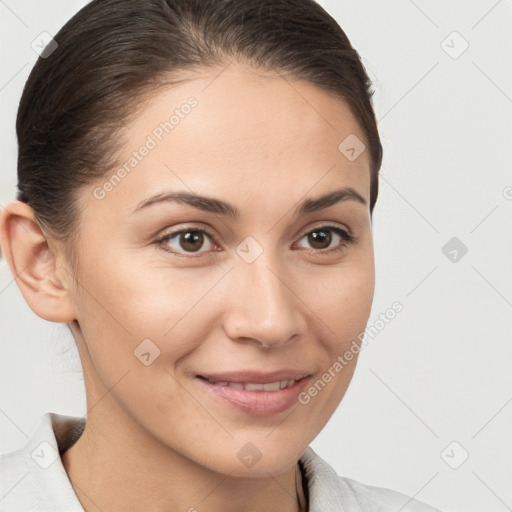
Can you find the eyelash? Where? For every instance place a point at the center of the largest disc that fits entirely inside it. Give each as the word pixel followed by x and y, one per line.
pixel 347 239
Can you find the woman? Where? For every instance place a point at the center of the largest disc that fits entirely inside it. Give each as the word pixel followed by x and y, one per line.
pixel 196 187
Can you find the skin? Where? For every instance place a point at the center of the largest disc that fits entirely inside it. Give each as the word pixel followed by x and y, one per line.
pixel 263 144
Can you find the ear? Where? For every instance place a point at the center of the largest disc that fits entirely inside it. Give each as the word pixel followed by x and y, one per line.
pixel 34 265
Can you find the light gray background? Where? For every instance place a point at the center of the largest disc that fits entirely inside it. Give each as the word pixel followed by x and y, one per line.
pixel 441 370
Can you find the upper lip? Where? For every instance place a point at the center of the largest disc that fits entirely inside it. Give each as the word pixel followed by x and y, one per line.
pixel 256 377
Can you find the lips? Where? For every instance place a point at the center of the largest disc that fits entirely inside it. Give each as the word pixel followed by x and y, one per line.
pixel 260 394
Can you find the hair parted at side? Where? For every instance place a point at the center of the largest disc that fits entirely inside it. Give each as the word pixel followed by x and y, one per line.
pixel 113 53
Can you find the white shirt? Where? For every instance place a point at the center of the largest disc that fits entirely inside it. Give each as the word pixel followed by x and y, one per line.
pixel 33 479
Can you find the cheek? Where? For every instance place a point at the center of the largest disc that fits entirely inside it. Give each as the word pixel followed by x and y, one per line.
pixel 342 299
pixel 125 304
pixel 342 302
pixel 342 305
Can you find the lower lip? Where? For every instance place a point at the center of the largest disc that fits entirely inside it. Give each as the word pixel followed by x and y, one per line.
pixel 257 403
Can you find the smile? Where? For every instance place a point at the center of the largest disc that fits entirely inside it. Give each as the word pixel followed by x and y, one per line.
pixel 255 386
pixel 256 394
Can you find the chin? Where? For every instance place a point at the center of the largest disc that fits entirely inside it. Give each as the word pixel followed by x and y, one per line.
pixel 273 454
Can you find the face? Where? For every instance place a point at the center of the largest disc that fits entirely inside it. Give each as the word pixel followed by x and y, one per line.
pixel 215 292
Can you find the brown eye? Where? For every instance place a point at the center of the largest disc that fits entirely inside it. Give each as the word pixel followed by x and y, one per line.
pixel 187 241
pixel 321 238
pixel 191 240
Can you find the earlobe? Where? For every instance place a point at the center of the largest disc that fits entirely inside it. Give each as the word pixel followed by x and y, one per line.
pixel 33 264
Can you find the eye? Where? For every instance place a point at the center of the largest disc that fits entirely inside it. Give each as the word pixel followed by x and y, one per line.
pixel 186 242
pixel 189 240
pixel 321 238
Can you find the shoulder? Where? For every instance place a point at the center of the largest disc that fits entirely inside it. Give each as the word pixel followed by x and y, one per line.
pixel 13 469
pixel 330 492
pixel 32 478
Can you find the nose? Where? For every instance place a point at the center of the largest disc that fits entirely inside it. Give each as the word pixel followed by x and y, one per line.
pixel 262 307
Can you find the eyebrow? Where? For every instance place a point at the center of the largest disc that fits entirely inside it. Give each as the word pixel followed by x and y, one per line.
pixel 212 205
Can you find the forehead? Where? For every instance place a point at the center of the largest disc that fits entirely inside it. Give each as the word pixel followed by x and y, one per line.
pixel 237 128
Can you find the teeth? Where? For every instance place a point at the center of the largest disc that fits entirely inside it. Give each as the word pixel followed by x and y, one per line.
pixel 253 386
pixel 248 386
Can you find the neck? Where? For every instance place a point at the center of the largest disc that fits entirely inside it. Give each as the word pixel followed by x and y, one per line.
pixel 117 465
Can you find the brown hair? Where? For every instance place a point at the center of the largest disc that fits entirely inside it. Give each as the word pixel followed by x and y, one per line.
pixel 112 53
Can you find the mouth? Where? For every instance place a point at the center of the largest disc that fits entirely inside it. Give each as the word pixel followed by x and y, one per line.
pixel 256 393
pixel 255 386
